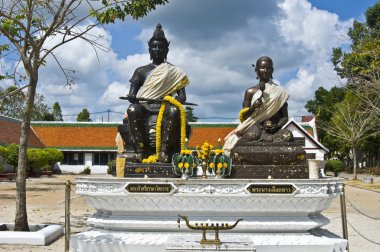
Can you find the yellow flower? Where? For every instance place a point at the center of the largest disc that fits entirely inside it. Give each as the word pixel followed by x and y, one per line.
pixel 225 165
pixel 182 117
pixel 218 151
pixel 150 159
pixel 220 165
pixel 188 151
pixel 241 114
pixel 212 165
pixel 186 165
pixel 180 165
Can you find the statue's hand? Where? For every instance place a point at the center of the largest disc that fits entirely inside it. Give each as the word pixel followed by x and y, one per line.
pixel 181 98
pixel 132 98
pixel 257 103
pixel 270 126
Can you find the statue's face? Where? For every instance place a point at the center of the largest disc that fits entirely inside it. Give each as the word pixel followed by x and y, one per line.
pixel 264 70
pixel 158 50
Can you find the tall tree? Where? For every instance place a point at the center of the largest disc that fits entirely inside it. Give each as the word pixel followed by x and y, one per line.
pixel 57 112
pixel 13 101
pixel 323 105
pixel 27 26
pixel 84 116
pixel 360 65
pixel 352 123
pixel 190 114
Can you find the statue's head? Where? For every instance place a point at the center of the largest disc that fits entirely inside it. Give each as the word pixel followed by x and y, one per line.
pixel 264 68
pixel 158 45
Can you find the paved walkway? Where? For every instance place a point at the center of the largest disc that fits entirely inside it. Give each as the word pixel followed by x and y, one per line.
pixel 45 202
pixel 376 179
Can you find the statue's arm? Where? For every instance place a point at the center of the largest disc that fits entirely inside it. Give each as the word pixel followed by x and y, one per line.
pixel 284 115
pixel 181 95
pixel 248 99
pixel 136 83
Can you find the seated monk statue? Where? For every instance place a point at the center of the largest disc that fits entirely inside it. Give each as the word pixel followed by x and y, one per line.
pixel 153 82
pixel 265 110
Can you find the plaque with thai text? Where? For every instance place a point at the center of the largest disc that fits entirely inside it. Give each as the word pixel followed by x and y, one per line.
pixel 149 187
pixel 271 188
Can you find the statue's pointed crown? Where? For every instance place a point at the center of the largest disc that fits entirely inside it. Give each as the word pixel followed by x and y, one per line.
pixel 159 35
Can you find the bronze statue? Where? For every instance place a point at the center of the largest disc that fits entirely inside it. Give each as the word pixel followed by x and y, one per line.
pixel 259 147
pixel 149 85
pixel 265 110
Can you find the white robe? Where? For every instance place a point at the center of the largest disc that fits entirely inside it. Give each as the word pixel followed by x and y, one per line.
pixel 164 80
pixel 274 97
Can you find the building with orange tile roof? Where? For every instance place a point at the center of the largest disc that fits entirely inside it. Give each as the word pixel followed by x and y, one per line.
pixel 93 144
pixel 10 132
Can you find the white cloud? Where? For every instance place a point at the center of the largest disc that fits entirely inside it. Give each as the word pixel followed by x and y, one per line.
pixel 215 44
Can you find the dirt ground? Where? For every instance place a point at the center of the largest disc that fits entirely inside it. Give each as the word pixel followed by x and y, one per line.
pixel 46 195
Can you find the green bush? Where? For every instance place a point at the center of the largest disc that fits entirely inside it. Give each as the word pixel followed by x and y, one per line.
pixel 110 165
pixel 11 155
pixel 53 156
pixel 37 158
pixel 335 166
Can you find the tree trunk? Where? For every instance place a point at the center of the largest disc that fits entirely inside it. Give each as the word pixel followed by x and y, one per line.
pixel 355 162
pixel 21 219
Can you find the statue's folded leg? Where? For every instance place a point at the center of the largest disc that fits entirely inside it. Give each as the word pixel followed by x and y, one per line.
pixel 170 135
pixel 137 115
pixel 253 133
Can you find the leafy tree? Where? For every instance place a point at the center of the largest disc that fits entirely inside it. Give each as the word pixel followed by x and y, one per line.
pixel 84 116
pixel 57 112
pixel 53 156
pixel 323 105
pixel 364 56
pixel 190 114
pixel 12 104
pixel 360 66
pixel 27 26
pixel 352 123
pixel 37 158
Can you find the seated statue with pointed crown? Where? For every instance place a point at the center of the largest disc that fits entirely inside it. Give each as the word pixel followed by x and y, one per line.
pixel 153 82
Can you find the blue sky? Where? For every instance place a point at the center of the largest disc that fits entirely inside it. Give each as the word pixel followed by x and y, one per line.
pixel 214 42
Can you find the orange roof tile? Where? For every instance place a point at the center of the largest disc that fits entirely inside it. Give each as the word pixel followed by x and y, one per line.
pixel 209 132
pixel 10 132
pixel 77 135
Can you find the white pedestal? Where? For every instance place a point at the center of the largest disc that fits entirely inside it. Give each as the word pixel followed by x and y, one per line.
pixel 129 221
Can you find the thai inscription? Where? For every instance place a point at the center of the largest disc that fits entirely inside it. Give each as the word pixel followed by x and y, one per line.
pixel 149 188
pixel 271 189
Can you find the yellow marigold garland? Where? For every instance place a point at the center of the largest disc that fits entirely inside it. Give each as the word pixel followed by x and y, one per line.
pixel 241 114
pixel 154 158
pixel 182 116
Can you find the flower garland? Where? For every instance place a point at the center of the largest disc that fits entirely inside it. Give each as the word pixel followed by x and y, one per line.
pixel 154 158
pixel 182 116
pixel 242 113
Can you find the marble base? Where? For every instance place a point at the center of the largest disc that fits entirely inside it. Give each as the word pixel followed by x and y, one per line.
pixel 98 240
pixel 140 214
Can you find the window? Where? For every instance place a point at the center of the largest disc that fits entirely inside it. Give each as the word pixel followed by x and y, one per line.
pixel 310 155
pixel 73 158
pixel 102 158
